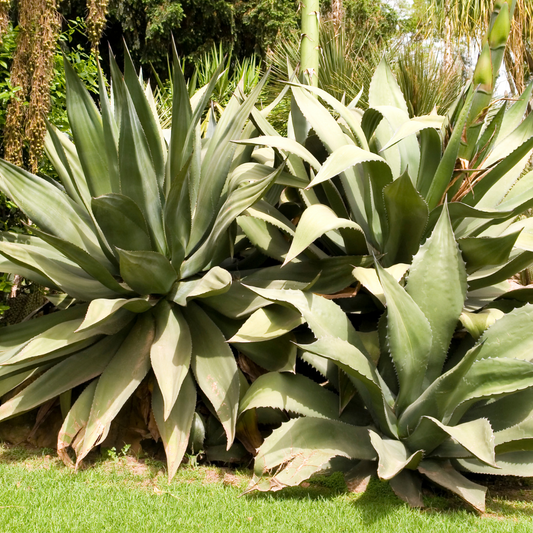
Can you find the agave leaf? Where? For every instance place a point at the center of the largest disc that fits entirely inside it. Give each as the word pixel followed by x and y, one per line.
pixel 62 273
pixel 332 137
pixel 430 156
pixel 237 202
pixel 147 272
pixel 375 392
pixel 62 153
pixel 55 338
pixel 88 132
pixel 409 336
pixel 510 143
pixel 116 385
pixel 486 251
pixel 99 310
pixel 215 282
pixel 438 264
pixel 407 215
pixel 214 367
pixel 89 264
pixel 393 456
pixel 21 333
pixel 492 276
pixel 345 113
pixel 430 402
pixel 286 145
pixel 512 165
pixel 415 125
pixel 341 159
pixel 443 474
pixel 477 323
pixel 514 115
pixel 9 266
pixel 295 164
pixel 176 427
pixel 291 392
pixel 384 89
pixel 75 422
pixel 266 238
pixel 310 441
pixel 403 156
pixel 121 221
pixel 444 172
pixel 12 382
pixel 476 437
pixel 238 302
pixel 64 376
pixel 509 336
pixel 49 208
pixel 315 221
pixel 268 323
pixel 276 355
pixel 324 317
pixel 181 121
pixel 110 131
pixel 255 171
pixel 408 487
pixel 170 353
pixel 147 119
pixel 509 464
pixel 138 173
pixel 368 277
pixel 217 162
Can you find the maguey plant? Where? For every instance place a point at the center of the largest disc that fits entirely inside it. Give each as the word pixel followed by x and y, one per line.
pixel 409 397
pixel 136 235
pixel 376 180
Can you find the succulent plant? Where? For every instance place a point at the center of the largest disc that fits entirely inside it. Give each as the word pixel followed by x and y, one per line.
pixel 375 181
pixel 412 398
pixel 133 235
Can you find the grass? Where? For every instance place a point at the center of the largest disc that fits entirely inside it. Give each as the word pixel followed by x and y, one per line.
pixel 123 494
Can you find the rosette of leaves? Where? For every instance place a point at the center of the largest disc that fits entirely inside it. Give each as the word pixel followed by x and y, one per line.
pixel 376 180
pixel 134 234
pixel 410 399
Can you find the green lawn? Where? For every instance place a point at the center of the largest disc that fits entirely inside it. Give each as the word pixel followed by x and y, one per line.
pixel 39 494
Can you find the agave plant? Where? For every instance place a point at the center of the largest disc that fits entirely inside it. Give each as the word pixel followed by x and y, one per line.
pixel 134 234
pixel 375 181
pixel 411 399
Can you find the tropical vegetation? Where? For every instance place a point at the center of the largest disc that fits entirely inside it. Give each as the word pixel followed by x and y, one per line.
pixel 335 295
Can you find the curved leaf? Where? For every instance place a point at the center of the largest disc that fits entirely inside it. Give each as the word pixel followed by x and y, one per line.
pixel 393 456
pixel 291 392
pixel 214 367
pixel 121 221
pixel 117 383
pixel 287 145
pixel 49 208
pixel 317 220
pixel 443 474
pixel 170 353
pixel 438 264
pixel 176 427
pixel 64 376
pixel 267 323
pixel 341 159
pixel 307 444
pixel 215 282
pixel 409 337
pixel 147 272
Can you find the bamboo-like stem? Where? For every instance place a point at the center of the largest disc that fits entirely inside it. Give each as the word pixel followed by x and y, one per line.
pixel 310 51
